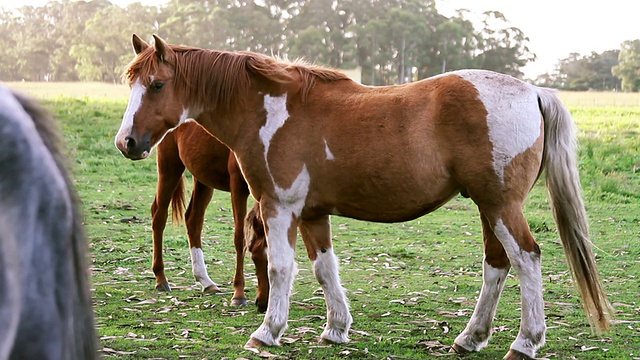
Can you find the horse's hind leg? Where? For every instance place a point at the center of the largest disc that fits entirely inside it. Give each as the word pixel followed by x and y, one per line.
pixel 316 235
pixel 524 254
pixel 194 218
pixel 239 195
pixel 511 229
pixel 257 244
pixel 495 268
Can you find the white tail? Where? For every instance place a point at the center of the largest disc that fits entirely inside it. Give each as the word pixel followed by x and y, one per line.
pixel 565 191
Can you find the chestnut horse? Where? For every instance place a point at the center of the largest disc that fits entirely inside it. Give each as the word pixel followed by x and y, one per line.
pixel 312 143
pixel 45 303
pixel 213 166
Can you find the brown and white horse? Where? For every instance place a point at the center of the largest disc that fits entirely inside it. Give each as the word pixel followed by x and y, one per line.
pixel 312 143
pixel 45 301
pixel 213 166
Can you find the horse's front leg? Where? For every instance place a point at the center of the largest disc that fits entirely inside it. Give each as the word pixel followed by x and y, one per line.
pixel 317 239
pixel 280 225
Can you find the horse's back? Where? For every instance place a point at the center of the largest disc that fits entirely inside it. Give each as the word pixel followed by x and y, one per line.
pixel 476 132
pixel 46 308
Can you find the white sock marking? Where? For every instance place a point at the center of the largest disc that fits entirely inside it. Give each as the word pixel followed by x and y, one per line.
pixel 200 268
pixel 339 320
pixel 528 268
pixel 478 331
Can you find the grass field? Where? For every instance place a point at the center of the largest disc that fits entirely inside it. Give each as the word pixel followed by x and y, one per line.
pixel 412 286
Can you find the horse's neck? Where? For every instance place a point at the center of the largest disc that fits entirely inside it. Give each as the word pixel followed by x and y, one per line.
pixel 234 128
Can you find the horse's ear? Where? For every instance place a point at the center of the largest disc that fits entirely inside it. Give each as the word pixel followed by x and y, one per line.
pixel 163 51
pixel 138 44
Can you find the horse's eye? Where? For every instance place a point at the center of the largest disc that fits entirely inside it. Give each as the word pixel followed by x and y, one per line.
pixel 156 85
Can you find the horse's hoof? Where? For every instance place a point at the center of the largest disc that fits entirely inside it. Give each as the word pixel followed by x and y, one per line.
pixel 516 355
pixel 163 287
pixel 211 289
pixel 262 306
pixel 239 302
pixel 254 345
pixel 457 349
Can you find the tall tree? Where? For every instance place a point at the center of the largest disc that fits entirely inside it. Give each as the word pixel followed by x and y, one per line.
pixel 9 67
pixel 101 56
pixel 584 72
pixel 503 48
pixel 628 69
pixel 457 44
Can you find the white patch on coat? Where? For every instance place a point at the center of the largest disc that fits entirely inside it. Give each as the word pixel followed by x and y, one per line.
pixel 327 151
pixel 135 100
pixel 527 267
pixel 478 331
pixel 339 319
pixel 289 204
pixel 277 115
pixel 513 117
pixel 200 268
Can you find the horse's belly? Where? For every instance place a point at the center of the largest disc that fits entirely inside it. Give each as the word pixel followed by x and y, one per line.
pixel 394 205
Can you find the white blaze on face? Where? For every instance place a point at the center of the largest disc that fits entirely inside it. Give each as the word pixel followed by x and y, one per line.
pixel 135 100
pixel 513 117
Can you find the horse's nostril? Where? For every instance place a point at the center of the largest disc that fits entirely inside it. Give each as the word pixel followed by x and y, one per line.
pixel 131 143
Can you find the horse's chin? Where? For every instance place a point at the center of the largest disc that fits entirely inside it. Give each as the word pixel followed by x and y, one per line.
pixel 145 154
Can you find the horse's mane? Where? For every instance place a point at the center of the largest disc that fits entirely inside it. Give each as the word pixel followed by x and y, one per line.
pixel 226 77
pixel 309 73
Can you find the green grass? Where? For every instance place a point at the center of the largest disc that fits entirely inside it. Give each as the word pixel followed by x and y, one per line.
pixel 412 286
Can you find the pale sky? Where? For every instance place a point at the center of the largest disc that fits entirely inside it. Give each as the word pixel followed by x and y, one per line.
pixel 555 28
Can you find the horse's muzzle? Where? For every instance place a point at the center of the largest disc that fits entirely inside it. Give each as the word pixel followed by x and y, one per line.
pixel 136 149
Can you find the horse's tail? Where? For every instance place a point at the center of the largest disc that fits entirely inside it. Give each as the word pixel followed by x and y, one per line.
pixel 563 184
pixel 255 239
pixel 177 202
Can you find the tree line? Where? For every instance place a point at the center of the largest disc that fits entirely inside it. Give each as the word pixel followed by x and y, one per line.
pixel 391 41
pixel 609 70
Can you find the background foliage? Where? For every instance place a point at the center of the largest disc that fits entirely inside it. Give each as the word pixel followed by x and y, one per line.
pixel 392 41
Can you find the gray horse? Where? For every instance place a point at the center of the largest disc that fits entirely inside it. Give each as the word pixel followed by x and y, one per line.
pixel 45 303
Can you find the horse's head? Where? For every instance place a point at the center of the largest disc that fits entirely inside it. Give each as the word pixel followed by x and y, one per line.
pixel 154 105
